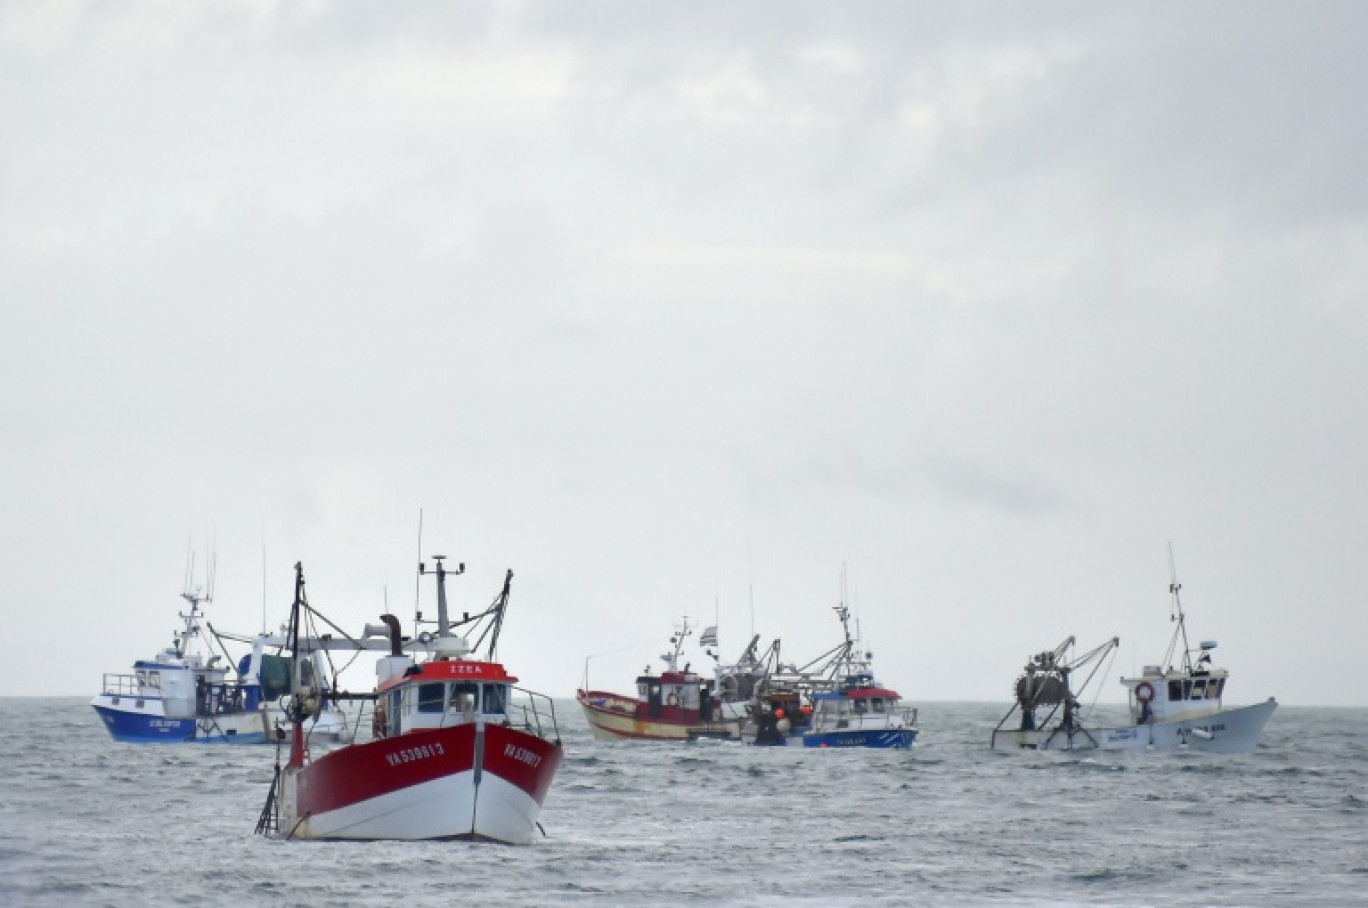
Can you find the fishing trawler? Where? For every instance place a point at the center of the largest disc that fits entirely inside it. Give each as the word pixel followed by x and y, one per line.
pixel 678 704
pixel 188 693
pixel 1178 709
pixel 452 755
pixel 1046 704
pixel 834 701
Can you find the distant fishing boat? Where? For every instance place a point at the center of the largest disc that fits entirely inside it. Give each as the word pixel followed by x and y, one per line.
pixel 678 704
pixel 1170 708
pixel 188 693
pixel 1046 709
pixel 833 702
pixel 452 757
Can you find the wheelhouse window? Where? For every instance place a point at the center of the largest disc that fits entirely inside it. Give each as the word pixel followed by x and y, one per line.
pixel 1199 689
pixel 496 698
pixel 430 697
pixel 465 697
pixel 1175 690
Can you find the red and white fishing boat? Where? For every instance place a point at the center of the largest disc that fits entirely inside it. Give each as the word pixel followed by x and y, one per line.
pixel 452 756
pixel 678 704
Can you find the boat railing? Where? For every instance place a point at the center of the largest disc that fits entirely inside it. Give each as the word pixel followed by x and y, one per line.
pixel 839 720
pixel 116 685
pixel 538 714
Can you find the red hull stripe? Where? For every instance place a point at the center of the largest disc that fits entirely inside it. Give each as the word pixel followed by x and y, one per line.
pixel 360 772
pixel 668 715
pixel 525 760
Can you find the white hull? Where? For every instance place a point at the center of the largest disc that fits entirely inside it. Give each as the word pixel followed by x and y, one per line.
pixel 443 808
pixel 328 725
pixel 1228 731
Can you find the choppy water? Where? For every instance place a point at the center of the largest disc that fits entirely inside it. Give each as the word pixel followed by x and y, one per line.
pixel 86 821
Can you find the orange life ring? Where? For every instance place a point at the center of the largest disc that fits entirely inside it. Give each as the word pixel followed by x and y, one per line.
pixel 1144 692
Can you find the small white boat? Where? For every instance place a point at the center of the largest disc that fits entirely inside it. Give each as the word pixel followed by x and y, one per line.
pixel 1171 708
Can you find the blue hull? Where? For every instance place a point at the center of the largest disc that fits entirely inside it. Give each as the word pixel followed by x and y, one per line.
pixel 138 728
pixel 882 738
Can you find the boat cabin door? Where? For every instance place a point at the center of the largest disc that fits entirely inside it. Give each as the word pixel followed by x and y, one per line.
pixel 653 696
pixel 705 702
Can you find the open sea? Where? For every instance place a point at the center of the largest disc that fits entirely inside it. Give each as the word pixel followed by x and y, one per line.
pixel 87 821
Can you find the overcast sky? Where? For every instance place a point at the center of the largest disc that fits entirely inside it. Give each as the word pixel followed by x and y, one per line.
pixel 682 310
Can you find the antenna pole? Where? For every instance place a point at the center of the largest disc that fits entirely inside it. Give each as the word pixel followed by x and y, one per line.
pixel 717 595
pixel 211 571
pixel 261 518
pixel 750 591
pixel 418 579
pixel 263 586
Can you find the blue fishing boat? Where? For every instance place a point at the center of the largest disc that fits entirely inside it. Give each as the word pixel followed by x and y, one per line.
pixel 186 692
pixel 838 704
pixel 860 713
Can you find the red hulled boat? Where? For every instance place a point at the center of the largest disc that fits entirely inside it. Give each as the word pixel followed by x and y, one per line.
pixel 678 704
pixel 452 756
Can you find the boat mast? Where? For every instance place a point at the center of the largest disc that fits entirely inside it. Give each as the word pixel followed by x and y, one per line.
pixel 443 622
pixel 192 595
pixel 418 579
pixel 843 610
pixel 671 659
pixel 1176 614
pixel 844 660
pixel 500 608
pixel 446 644
pixel 292 641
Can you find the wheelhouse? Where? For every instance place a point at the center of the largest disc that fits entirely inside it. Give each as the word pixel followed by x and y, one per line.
pixel 1159 695
pixel 673 690
pixel 1195 688
pixel 442 693
pixel 864 707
